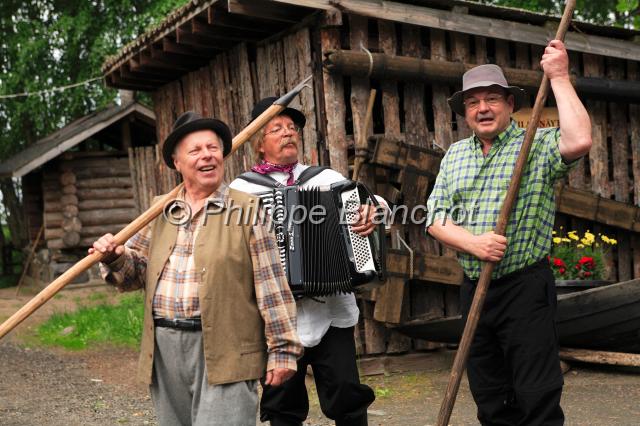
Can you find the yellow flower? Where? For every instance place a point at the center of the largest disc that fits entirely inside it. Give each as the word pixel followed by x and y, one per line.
pixel 586 242
pixel 606 239
pixel 557 240
pixel 553 232
pixel 566 240
pixel 580 246
pixel 573 235
pixel 589 236
pixel 613 242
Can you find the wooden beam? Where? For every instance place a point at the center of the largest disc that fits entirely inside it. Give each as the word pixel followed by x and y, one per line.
pixel 475 25
pixel 134 84
pixel 202 28
pixel 390 301
pixel 426 267
pixel 405 68
pixel 202 7
pixel 147 61
pixel 371 366
pixel 265 10
pixel 600 357
pixel 189 61
pixel 222 18
pixel 171 46
pixel 184 36
pixel 587 205
pixel 136 67
pixel 393 153
pixel 125 72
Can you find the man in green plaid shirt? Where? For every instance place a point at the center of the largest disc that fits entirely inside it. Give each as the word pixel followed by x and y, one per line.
pixel 513 367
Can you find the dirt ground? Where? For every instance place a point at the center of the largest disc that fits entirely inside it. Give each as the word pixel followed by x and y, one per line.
pixel 97 387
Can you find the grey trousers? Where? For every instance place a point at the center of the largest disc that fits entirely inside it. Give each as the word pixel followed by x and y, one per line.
pixel 181 394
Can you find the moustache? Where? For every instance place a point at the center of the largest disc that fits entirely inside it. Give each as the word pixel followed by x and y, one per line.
pixel 480 117
pixel 288 141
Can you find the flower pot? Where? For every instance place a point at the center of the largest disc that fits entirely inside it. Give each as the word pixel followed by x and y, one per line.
pixel 571 286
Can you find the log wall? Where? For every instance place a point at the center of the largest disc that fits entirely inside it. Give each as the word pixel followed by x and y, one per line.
pixel 84 198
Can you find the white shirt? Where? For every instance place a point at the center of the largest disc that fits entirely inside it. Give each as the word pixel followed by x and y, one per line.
pixel 314 318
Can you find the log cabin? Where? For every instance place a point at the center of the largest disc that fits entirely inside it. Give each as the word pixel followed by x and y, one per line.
pixel 220 56
pixel 88 178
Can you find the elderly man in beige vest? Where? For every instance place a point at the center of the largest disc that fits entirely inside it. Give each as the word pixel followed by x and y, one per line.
pixel 218 311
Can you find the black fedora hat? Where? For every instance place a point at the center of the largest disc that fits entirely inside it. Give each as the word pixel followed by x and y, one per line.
pixel 263 104
pixel 190 122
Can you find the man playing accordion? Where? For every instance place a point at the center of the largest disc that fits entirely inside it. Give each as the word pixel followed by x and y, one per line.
pixel 325 325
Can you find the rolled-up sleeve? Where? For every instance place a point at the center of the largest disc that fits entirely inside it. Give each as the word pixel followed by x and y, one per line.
pixel 127 272
pixel 275 301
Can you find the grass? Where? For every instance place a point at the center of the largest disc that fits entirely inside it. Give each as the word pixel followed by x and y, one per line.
pixel 119 324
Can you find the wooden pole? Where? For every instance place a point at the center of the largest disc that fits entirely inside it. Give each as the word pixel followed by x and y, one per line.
pixel 386 67
pixel 485 276
pixel 141 221
pixel 29 259
pixel 600 357
pixel 362 142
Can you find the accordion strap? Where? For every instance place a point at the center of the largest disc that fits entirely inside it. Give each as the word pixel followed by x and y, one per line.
pixel 258 179
pixel 266 180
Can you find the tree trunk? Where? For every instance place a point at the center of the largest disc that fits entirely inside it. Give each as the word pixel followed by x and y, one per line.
pixel 13 208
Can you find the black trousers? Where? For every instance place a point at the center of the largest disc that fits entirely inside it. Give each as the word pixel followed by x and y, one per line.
pixel 342 397
pixel 513 367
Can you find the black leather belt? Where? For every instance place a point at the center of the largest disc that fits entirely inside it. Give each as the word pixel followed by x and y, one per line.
pixel 190 324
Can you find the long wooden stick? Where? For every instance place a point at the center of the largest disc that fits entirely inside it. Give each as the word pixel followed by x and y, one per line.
pixel 141 221
pixel 27 263
pixel 485 276
pixel 362 141
pixel 600 357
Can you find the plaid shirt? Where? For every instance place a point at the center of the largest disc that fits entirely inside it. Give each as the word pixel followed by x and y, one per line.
pixel 176 294
pixel 470 189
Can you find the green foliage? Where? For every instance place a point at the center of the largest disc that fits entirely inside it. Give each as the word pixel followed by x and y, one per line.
pixel 51 43
pixel 119 324
pixel 621 13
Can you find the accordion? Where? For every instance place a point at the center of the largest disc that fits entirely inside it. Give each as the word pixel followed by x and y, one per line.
pixel 320 253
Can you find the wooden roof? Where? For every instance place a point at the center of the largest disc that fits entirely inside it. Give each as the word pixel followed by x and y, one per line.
pixel 69 136
pixel 193 34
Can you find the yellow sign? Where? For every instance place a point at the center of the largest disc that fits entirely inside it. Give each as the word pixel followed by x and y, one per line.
pixel 548 118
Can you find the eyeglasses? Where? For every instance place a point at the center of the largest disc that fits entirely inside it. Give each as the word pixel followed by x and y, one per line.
pixel 279 129
pixel 491 100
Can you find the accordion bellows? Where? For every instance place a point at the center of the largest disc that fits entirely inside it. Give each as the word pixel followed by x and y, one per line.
pixel 320 253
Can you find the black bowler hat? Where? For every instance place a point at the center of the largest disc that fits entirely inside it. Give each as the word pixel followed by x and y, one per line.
pixel 294 114
pixel 190 122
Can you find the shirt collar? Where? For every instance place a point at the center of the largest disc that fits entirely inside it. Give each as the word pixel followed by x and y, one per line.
pixel 500 139
pixel 219 197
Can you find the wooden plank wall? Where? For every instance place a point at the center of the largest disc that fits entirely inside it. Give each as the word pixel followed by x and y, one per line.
pixel 231 84
pixel 414 112
pixel 419 114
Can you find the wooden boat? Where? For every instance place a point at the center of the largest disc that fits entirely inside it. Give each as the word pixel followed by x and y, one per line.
pixel 603 318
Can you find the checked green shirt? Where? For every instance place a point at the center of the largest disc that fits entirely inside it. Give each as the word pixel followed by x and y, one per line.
pixel 470 189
